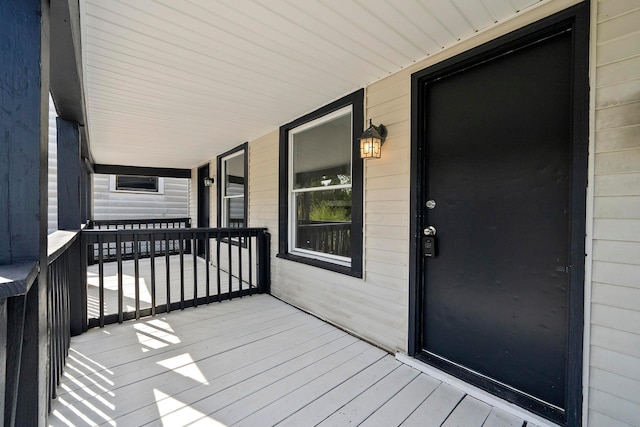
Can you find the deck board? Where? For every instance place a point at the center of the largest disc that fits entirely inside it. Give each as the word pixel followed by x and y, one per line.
pixel 499 418
pixel 252 361
pixel 397 409
pixel 469 413
pixel 436 408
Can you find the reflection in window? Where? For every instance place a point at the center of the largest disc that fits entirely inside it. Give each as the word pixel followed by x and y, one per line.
pixel 233 190
pixel 137 183
pixel 320 192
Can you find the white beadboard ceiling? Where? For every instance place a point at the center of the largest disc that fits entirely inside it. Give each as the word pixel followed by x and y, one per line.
pixel 174 83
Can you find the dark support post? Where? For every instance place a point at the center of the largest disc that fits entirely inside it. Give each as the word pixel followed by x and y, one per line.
pixel 78 287
pixel 86 192
pixel 264 262
pixel 24 111
pixel 70 195
pixel 69 175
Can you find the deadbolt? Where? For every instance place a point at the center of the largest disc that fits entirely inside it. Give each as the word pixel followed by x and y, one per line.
pixel 431 204
pixel 430 231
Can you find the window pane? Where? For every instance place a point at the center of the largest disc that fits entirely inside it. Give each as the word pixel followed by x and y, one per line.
pixel 234 176
pixel 323 221
pixel 322 154
pixel 137 183
pixel 234 212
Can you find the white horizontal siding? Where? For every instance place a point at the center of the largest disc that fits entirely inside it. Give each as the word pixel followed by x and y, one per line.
pixel 614 376
pixel 107 204
pixel 52 193
pixel 375 307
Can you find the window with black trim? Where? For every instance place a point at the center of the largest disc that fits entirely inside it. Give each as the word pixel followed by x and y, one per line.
pixel 136 183
pixel 320 218
pixel 232 188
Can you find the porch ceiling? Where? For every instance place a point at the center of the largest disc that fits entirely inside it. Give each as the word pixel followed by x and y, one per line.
pixel 174 83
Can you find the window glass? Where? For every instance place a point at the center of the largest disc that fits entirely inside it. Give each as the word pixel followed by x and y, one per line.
pixel 321 195
pixel 137 183
pixel 320 192
pixel 322 154
pixel 233 194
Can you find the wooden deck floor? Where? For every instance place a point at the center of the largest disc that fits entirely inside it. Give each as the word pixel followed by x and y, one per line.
pixel 254 361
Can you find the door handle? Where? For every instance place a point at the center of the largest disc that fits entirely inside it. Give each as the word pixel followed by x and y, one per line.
pixel 430 231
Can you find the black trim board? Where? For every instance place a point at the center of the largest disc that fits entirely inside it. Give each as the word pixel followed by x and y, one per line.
pixel 66 84
pixel 142 171
pixel 242 147
pixel 355 99
pixel 576 19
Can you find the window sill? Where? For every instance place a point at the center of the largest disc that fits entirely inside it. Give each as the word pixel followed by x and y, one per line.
pixel 325 265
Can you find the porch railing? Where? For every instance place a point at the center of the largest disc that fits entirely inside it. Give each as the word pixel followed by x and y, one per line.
pixel 327 237
pixel 143 248
pixel 24 306
pixel 235 262
pixel 64 272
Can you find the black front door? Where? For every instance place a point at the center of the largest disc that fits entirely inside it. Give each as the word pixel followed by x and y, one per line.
pixel 497 167
pixel 203 205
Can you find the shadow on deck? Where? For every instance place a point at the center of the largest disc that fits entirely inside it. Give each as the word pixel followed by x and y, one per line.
pixel 252 361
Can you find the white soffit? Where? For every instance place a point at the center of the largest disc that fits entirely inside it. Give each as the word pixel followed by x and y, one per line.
pixel 174 83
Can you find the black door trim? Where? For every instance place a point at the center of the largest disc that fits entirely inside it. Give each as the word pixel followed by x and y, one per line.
pixel 576 20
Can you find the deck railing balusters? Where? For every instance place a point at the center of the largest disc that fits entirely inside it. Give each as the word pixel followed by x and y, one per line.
pixel 207 259
pixel 230 276
pixel 181 252
pixel 136 277
pixel 63 276
pixel 152 265
pixel 168 272
pixel 230 273
pixel 120 284
pixel 101 278
pixel 250 252
pixel 195 270
pixel 239 262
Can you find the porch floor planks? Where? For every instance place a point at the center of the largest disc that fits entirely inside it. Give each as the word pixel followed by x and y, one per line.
pixel 199 344
pixel 219 359
pixel 252 361
pixel 397 409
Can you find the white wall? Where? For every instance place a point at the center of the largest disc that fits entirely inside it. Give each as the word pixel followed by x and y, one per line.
pixel 52 217
pixel 173 203
pixel 614 394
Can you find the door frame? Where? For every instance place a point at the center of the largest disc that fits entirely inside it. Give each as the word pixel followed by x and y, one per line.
pixel 575 18
pixel 203 203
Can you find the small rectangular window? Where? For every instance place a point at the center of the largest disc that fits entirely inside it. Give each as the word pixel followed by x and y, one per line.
pixel 146 184
pixel 232 188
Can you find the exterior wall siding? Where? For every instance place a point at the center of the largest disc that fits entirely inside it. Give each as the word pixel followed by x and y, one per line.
pixel 375 307
pixel 614 382
pixel 130 205
pixel 52 207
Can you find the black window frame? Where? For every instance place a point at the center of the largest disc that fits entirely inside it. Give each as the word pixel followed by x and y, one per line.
pixel 219 188
pixel 356 101
pixel 130 189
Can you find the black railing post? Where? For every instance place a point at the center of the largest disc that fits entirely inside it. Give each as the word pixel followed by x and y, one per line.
pixel 264 264
pixel 78 286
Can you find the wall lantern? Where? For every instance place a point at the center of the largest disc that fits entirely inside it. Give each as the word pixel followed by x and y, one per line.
pixel 371 141
pixel 208 182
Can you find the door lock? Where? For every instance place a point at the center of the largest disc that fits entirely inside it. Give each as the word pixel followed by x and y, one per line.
pixel 429 242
